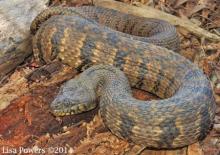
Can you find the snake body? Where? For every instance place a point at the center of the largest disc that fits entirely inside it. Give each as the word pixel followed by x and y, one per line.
pixel 87 36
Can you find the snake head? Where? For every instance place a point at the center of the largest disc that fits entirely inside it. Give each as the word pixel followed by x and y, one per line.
pixel 73 98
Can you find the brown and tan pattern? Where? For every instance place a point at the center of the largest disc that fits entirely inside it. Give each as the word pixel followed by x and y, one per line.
pixel 183 116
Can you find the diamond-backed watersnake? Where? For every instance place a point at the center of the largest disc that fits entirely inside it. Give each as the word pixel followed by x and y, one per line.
pixel 86 36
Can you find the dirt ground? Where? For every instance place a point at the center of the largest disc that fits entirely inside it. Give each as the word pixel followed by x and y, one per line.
pixel 27 122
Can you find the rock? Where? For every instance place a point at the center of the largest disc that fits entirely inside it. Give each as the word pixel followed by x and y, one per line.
pixel 15 20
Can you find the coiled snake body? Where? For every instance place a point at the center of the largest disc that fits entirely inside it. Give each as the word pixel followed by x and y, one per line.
pixel 86 36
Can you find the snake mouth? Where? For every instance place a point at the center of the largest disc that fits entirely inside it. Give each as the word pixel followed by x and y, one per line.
pixel 75 109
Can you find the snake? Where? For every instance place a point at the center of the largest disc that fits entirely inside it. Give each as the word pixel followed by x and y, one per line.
pixel 113 52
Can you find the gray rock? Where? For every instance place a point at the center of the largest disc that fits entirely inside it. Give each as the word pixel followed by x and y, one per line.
pixel 15 20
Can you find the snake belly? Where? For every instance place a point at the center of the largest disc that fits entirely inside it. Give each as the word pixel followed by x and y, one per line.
pixel 87 36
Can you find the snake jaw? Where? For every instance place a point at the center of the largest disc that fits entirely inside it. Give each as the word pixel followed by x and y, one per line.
pixel 75 109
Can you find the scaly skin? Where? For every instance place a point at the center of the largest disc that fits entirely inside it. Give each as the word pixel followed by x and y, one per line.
pixel 159 32
pixel 185 113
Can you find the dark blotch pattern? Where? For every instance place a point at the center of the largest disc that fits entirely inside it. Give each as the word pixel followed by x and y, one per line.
pixel 126 126
pixel 170 132
pixel 119 59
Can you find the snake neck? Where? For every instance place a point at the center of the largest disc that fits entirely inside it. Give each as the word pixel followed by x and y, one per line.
pixel 102 77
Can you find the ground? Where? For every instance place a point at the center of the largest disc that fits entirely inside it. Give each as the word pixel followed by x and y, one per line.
pixel 27 122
